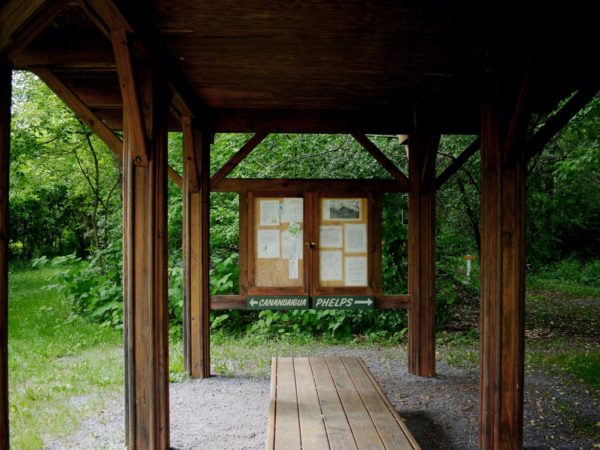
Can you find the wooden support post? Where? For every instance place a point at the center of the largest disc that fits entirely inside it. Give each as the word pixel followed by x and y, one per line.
pixel 5 102
pixel 196 210
pixel 503 171
pixel 423 145
pixel 145 256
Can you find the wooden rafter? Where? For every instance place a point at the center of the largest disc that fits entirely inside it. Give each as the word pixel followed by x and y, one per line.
pixel 21 21
pixel 380 157
pixel 457 163
pixel 72 100
pixel 554 124
pixel 237 158
pixel 112 15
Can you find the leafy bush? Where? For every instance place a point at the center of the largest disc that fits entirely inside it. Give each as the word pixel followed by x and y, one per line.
pixel 93 287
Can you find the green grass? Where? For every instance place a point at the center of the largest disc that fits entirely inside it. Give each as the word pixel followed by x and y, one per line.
pixel 59 366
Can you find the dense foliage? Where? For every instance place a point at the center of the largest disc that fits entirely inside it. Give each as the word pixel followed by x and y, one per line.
pixel 65 204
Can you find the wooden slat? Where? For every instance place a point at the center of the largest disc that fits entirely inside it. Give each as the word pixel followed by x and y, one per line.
pixel 391 427
pixel 287 428
pixel 364 431
pixel 272 405
pixel 237 158
pixel 380 157
pixel 5 115
pixel 313 434
pixel 457 163
pixel 422 146
pixel 336 423
pixel 299 185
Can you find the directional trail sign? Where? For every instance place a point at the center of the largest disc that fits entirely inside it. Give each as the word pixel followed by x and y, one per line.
pixel 342 302
pixel 278 302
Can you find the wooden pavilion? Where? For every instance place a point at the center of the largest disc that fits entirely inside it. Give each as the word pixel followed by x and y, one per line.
pixel 396 67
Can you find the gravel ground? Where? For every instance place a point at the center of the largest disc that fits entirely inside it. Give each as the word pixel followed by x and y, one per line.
pixel 231 413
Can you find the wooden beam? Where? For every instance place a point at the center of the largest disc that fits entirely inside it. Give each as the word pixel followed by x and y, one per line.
pixel 131 17
pixel 300 185
pixel 72 100
pixel 562 117
pixel 423 145
pixel 196 222
pixel 237 158
pixel 21 21
pixel 502 273
pixel 5 113
pixel 145 268
pixel 129 91
pixel 380 157
pixel 87 116
pixel 457 163
pixel 81 49
pixel 242 120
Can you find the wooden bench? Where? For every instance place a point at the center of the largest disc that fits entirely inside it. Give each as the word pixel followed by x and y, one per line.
pixel 331 403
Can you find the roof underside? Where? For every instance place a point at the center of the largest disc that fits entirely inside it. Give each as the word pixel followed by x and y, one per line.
pixel 325 66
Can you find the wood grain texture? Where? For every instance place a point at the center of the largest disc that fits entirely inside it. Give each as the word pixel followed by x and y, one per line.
pixel 422 146
pixel 457 163
pixel 314 436
pixel 380 157
pixel 335 403
pixel 129 91
pixel 21 22
pixel 237 158
pixel 503 171
pixel 196 212
pixel 287 423
pixel 299 185
pixel 145 274
pixel 5 119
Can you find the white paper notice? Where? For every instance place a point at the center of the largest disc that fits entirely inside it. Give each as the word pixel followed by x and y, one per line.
pixel 268 244
pixel 331 236
pixel 292 210
pixel 291 246
pixel 269 212
pixel 356 271
pixel 356 238
pixel 330 264
pixel 293 269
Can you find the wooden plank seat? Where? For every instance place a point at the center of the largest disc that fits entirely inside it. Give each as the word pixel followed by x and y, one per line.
pixel 331 403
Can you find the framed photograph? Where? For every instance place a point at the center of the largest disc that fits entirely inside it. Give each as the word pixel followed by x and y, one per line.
pixel 342 209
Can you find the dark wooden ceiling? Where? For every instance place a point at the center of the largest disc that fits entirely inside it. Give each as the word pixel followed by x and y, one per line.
pixel 325 66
